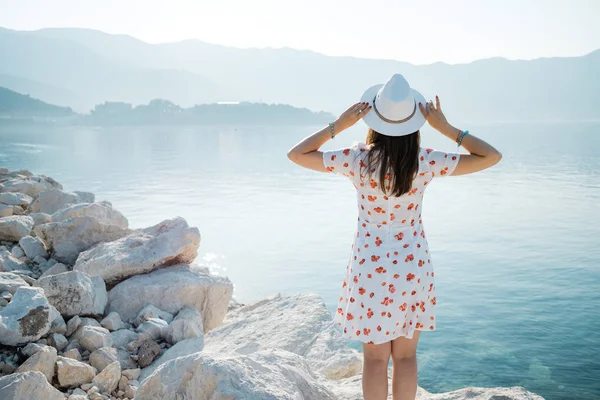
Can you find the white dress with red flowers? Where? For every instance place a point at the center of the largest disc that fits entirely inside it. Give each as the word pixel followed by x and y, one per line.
pixel 389 288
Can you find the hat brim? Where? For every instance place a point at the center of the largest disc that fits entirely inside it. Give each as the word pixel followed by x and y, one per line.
pixel 405 128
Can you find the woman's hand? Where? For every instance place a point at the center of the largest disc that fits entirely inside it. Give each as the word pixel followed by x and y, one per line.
pixel 351 116
pixel 434 115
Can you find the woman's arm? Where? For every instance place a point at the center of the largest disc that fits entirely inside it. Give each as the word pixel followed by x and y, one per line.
pixel 481 155
pixel 306 152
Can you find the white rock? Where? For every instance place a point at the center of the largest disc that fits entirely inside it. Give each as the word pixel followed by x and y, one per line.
pixel 112 322
pixel 178 287
pixel 73 324
pixel 151 311
pixel 95 337
pixel 181 349
pixel 186 325
pixel 58 341
pixel 15 199
pixel 55 199
pixel 28 386
pixel 40 218
pixel 26 318
pixel 103 357
pixel 103 212
pixel 72 354
pixel 73 373
pixel 17 251
pixel 42 361
pixel 83 322
pixel 123 382
pixel 71 237
pixel 75 293
pixel 154 328
pixel 15 227
pixel 31 186
pixel 8 263
pixel 122 337
pixel 308 328
pixel 169 243
pixel 31 348
pixel 6 211
pixel 56 269
pixel 33 247
pixel 78 394
pixel 108 380
pixel 58 324
pixel 10 282
pixel 86 197
pixel 263 375
pixel 132 374
pixel 130 391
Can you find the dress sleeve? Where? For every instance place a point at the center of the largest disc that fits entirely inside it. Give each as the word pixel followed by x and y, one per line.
pixel 340 161
pixel 441 163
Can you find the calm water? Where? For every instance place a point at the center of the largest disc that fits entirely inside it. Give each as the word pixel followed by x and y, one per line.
pixel 516 248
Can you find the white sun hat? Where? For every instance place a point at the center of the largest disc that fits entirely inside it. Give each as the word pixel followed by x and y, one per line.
pixel 395 107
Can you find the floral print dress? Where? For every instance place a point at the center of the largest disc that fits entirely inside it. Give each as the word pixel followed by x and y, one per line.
pixel 389 287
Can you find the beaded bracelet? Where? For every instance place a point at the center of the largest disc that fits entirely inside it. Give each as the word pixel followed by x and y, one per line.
pixel 462 135
pixel 332 130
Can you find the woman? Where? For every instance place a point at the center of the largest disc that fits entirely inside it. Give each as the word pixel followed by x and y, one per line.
pixel 388 294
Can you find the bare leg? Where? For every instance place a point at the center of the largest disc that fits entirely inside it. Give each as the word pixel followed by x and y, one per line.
pixel 404 357
pixel 375 367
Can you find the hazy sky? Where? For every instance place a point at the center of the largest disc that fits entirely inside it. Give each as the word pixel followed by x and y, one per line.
pixel 420 32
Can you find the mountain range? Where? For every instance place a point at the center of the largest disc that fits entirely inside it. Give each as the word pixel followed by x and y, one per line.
pixel 79 68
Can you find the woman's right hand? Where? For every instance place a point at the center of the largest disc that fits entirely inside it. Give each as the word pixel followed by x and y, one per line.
pixel 434 115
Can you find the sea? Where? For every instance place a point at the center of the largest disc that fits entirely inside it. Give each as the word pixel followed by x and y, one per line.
pixel 516 248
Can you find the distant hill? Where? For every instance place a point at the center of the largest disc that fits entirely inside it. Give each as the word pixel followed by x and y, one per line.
pixel 97 67
pixel 160 112
pixel 15 105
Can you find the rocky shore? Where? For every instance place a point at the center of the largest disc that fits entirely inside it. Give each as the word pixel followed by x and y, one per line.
pixel 91 309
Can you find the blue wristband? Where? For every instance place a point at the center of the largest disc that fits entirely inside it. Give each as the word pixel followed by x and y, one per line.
pixel 462 135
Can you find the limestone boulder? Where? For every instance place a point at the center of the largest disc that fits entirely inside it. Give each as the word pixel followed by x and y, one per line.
pixel 15 227
pixel 73 236
pixel 43 361
pixel 262 375
pixel 149 312
pixel 15 199
pixel 103 357
pixel 72 373
pixel 112 322
pixel 108 380
pixel 58 341
pixel 186 325
pixel 8 262
pixel 56 269
pixel 26 318
pixel 308 328
pixel 95 337
pixel 102 211
pixel 33 247
pixel 40 218
pixel 10 282
pixel 123 337
pixel 179 287
pixel 6 211
pixel 28 386
pixel 31 185
pixel 169 243
pixel 75 293
pixel 154 328
pixel 181 349
pixel 53 200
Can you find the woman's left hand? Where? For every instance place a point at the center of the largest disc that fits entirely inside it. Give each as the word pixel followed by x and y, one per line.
pixel 351 116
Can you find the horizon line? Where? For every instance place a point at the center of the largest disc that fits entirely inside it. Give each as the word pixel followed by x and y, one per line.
pixel 290 48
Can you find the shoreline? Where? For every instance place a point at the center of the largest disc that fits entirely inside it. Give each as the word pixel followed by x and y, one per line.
pixel 91 309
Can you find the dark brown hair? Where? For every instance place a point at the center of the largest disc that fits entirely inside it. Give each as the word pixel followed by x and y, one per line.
pixel 396 157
